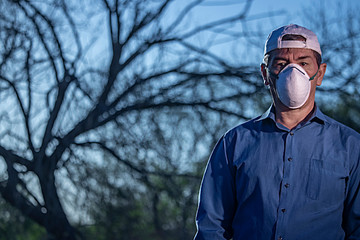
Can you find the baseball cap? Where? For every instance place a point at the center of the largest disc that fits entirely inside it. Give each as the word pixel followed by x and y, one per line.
pixel 275 39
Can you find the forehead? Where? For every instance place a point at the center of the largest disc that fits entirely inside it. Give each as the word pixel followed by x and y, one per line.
pixel 292 53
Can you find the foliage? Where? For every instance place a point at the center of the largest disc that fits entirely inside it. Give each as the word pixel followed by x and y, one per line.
pixel 15 226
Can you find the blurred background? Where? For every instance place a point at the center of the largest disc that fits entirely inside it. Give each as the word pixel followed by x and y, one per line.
pixel 109 109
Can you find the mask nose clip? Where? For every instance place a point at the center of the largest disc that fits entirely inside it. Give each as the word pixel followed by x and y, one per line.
pixel 276 76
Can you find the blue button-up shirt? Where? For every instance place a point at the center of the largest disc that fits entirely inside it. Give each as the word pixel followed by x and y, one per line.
pixel 264 181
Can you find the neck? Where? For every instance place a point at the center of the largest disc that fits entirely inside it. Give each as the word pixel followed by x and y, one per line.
pixel 290 118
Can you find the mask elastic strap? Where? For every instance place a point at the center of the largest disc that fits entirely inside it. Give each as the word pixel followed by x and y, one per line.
pixel 314 75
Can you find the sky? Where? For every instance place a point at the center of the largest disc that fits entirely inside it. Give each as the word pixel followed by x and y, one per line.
pixel 267 15
pixel 295 8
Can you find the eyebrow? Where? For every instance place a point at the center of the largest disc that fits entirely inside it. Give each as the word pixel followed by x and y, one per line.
pixel 285 59
pixel 279 58
pixel 303 57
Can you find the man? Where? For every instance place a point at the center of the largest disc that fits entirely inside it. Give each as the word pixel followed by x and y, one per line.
pixel 292 173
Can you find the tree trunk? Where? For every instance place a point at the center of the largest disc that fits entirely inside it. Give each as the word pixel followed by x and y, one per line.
pixel 56 224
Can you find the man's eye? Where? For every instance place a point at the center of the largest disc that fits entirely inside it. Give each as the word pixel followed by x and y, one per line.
pixel 303 63
pixel 280 65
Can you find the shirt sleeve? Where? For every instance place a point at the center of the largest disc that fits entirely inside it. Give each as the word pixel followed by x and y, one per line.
pixel 351 215
pixel 217 197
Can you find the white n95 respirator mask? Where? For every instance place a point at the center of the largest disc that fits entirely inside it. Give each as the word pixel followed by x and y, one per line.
pixel 293 86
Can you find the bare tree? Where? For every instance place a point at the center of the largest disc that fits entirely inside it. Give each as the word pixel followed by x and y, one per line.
pixel 340 41
pixel 174 153
pixel 64 110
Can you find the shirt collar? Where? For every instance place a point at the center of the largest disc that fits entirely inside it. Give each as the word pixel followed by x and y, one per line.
pixel 270 113
pixel 316 116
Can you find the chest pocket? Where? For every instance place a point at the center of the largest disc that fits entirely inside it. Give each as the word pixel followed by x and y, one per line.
pixel 326 181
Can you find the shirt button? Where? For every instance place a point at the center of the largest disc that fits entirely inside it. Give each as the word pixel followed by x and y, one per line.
pixel 280 238
pixel 291 134
pixel 290 159
pixel 283 210
pixel 287 185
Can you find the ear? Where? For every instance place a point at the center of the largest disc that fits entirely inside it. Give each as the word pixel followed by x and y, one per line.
pixel 321 73
pixel 264 74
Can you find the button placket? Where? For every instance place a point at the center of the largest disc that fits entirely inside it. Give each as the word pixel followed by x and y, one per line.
pixel 287 173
